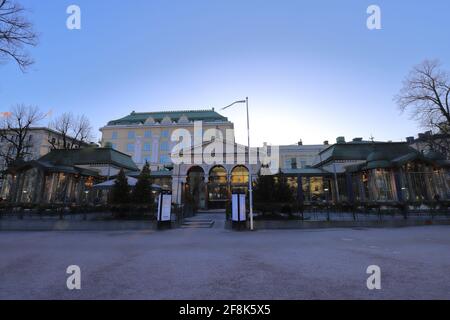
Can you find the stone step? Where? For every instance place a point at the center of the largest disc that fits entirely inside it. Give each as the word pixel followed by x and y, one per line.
pixel 198 224
pixel 197 220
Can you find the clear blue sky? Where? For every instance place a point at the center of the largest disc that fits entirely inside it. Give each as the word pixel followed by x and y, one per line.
pixel 312 69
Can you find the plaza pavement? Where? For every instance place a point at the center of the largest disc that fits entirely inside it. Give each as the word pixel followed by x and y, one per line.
pixel 217 263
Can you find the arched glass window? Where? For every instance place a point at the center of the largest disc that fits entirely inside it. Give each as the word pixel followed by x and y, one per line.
pixel 218 175
pixel 217 187
pixel 239 175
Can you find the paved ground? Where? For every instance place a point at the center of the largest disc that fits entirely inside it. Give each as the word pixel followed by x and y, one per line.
pixel 220 264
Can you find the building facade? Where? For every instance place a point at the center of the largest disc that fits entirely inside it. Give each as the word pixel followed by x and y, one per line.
pixel 38 142
pixel 208 184
pixel 357 171
pixel 299 156
pixel 146 137
pixel 428 141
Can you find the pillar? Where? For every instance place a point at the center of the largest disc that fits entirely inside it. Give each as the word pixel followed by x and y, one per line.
pixel 348 180
pixel 398 185
pixel 300 196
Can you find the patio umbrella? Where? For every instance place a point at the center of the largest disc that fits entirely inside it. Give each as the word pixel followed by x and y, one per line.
pixel 131 182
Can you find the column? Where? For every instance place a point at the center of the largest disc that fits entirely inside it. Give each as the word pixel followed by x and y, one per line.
pixel 300 196
pixel 155 149
pixel 398 185
pixel 348 179
pixel 138 150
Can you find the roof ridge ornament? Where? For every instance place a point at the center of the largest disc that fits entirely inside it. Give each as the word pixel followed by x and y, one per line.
pixel 150 120
pixel 174 111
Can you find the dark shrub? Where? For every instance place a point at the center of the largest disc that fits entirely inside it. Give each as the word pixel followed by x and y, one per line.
pixel 120 193
pixel 286 208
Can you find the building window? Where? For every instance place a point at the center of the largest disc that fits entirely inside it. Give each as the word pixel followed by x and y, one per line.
pixel 218 186
pixel 165 146
pixel 164 159
pixel 147 147
pixel 293 163
pixel 147 134
pixel 316 189
pixel 147 159
pixel 218 175
pixel 131 135
pixel 239 175
pixel 165 134
pixel 115 135
pixel 130 147
pixel 287 163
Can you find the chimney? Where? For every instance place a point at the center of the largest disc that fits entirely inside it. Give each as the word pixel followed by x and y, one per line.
pixel 340 140
pixel 300 143
pixel 357 139
pixel 410 140
pixel 326 142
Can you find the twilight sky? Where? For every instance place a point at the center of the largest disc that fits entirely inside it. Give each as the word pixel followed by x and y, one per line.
pixel 311 69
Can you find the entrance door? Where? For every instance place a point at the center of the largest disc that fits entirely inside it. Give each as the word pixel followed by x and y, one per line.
pixel 218 188
pixel 197 187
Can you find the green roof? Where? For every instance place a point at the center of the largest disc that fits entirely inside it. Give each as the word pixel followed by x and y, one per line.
pixel 46 166
pixel 361 151
pixel 411 156
pixel 380 160
pixel 434 155
pixel 378 164
pixel 430 158
pixel 192 115
pixel 308 171
pixel 89 156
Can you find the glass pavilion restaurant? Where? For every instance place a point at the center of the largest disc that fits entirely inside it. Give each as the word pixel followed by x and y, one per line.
pixel 365 173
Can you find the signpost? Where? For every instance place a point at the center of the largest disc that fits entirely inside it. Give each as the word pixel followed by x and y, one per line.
pixel 239 211
pixel 164 210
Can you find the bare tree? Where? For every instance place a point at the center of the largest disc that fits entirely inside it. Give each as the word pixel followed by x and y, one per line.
pixel 14 128
pixel 426 95
pixel 75 131
pixel 16 33
pixel 82 130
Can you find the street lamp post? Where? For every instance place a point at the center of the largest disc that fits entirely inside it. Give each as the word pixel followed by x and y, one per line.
pixel 250 182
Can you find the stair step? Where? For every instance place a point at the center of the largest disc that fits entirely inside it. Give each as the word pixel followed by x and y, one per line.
pixel 198 224
pixel 197 220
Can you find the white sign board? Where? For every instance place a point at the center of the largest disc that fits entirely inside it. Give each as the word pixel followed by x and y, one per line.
pixel 238 207
pixel 164 207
